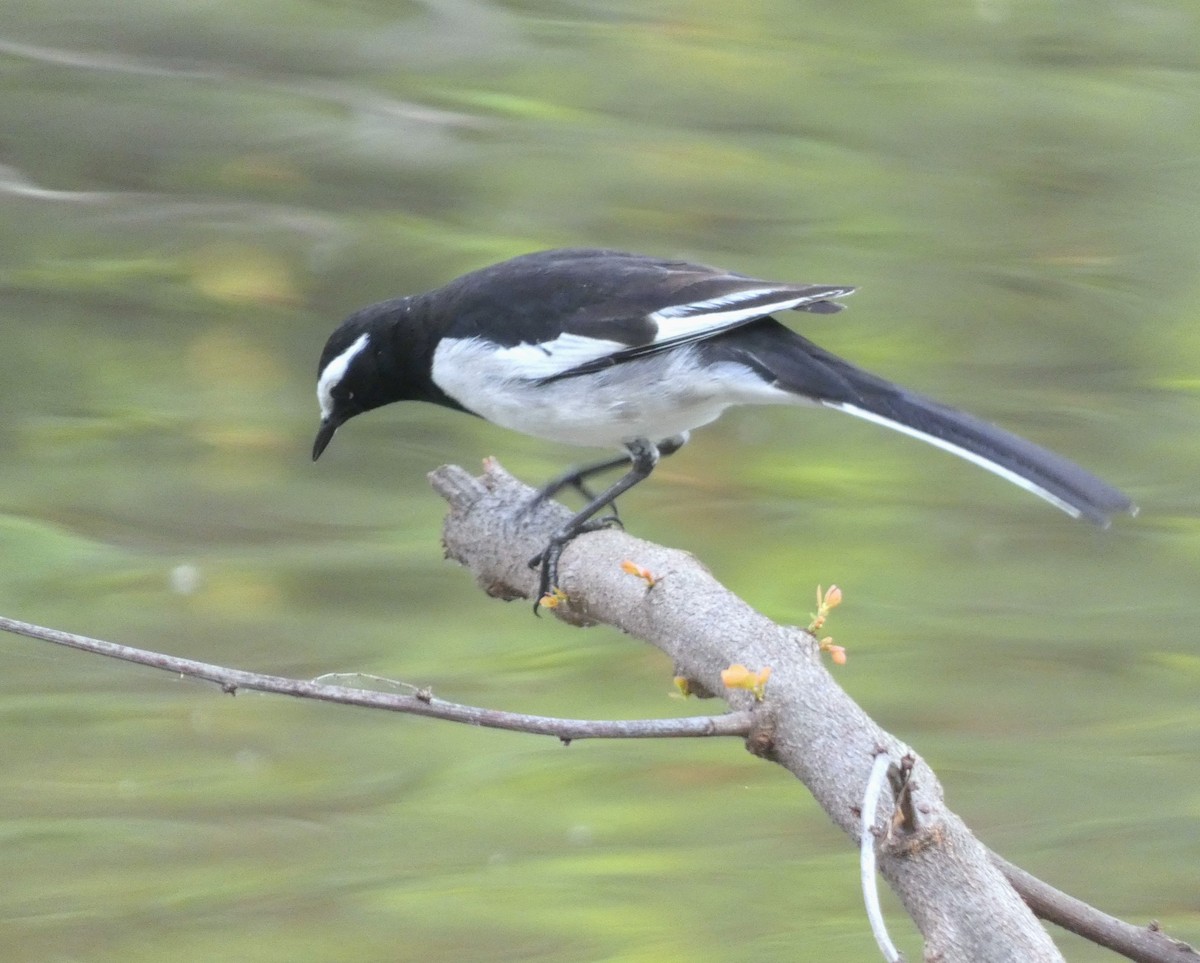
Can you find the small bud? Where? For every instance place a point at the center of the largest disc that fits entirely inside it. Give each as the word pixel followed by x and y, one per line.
pixel 837 653
pixel 737 676
pixel 825 601
pixel 639 572
pixel 760 688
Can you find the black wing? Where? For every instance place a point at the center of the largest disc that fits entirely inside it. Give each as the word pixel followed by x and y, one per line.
pixel 589 309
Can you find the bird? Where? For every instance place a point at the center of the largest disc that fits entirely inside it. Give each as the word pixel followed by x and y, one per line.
pixel 607 349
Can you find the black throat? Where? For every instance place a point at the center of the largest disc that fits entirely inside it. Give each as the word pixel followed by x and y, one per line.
pixel 403 334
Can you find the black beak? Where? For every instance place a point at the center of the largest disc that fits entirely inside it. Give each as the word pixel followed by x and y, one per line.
pixel 324 436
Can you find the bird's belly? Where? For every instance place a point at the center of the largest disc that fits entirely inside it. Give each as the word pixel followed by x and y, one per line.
pixel 606 417
pixel 653 398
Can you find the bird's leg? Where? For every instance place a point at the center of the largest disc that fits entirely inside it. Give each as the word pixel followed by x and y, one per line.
pixel 575 478
pixel 644 456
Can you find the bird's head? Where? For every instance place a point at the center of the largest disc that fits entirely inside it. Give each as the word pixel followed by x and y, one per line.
pixel 350 376
pixel 378 355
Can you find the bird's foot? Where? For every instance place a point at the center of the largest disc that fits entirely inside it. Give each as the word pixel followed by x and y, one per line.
pixel 643 456
pixel 549 595
pixel 612 520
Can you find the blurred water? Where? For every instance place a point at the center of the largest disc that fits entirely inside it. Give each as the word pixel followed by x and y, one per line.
pixel 193 195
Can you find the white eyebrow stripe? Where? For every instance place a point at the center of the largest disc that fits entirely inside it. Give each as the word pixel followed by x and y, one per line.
pixel 335 371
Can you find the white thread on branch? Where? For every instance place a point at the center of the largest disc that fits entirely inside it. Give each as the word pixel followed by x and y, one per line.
pixel 866 859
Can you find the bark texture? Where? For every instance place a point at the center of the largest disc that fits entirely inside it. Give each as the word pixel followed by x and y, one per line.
pixel 959 900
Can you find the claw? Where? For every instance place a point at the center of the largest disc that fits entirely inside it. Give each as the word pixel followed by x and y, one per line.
pixel 643 456
pixel 547 561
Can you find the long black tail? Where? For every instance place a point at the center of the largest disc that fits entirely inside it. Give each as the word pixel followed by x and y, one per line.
pixel 795 364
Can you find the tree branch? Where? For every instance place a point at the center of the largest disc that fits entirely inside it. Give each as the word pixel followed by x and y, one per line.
pixel 969 905
pixel 420 703
pixel 1146 944
pixel 954 888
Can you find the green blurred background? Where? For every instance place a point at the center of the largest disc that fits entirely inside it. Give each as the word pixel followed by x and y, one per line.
pixel 192 195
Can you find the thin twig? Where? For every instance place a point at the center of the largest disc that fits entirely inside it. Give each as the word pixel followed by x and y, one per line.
pixel 1144 944
pixel 420 703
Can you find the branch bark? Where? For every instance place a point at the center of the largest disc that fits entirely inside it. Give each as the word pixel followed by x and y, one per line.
pixel 419 702
pixel 953 887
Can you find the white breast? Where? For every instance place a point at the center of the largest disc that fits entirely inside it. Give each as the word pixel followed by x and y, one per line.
pixel 655 397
